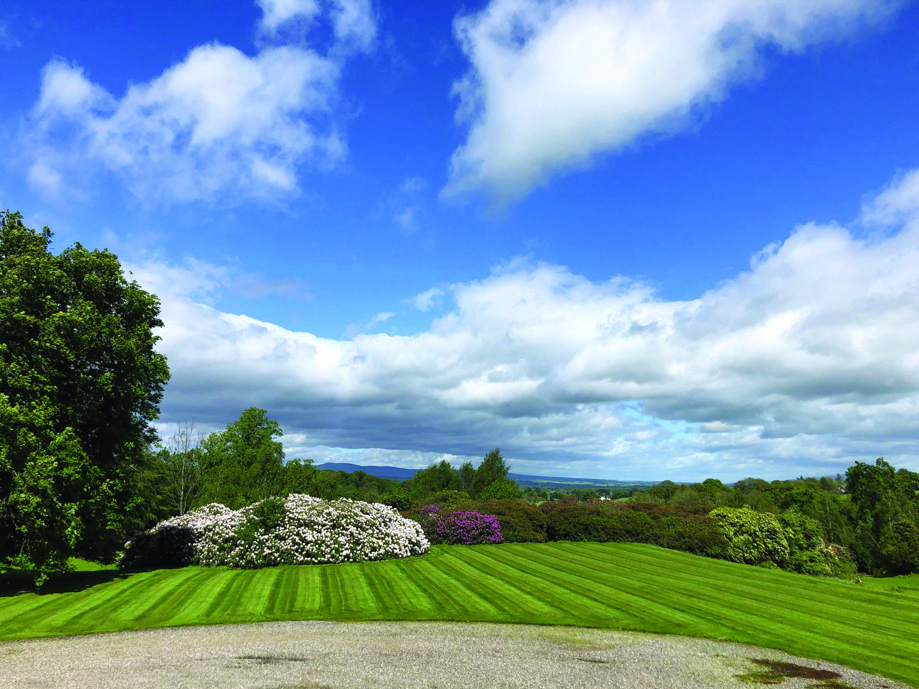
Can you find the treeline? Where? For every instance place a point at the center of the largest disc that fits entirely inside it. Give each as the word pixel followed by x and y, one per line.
pixel 873 511
pixel 246 463
pixel 870 515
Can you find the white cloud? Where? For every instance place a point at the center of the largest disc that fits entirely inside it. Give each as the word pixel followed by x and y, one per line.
pixel 353 22
pixel 800 365
pixel 428 299
pixel 278 12
pixel 66 91
pixel 553 83
pixel 218 124
pixel 900 200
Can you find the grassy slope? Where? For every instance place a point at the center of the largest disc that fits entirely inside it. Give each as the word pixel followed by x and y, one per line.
pixel 626 586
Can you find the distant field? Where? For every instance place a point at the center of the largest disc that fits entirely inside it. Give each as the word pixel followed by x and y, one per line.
pixel 626 586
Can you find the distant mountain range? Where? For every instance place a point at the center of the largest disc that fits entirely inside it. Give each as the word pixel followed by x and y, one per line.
pixel 400 474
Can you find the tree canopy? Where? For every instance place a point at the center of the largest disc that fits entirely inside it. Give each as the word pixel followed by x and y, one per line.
pixel 244 463
pixel 80 383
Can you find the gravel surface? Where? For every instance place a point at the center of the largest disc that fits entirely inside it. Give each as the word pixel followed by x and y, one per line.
pixel 405 654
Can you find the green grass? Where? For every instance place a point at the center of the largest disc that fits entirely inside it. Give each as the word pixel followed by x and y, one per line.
pixel 907 584
pixel 622 586
pixel 87 566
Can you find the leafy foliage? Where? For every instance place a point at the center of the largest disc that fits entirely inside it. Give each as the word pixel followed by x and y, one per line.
pixel 900 547
pixel 501 490
pixel 881 497
pixel 492 469
pixel 753 537
pixel 79 384
pixel 244 463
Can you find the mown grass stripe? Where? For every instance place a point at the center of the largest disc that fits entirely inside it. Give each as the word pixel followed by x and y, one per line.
pixel 552 584
pixel 375 586
pixel 429 591
pixel 849 641
pixel 855 626
pixel 701 605
pixel 825 600
pixel 660 586
pixel 629 601
pixel 224 583
pixel 50 610
pixel 173 592
pixel 276 588
pixel 494 563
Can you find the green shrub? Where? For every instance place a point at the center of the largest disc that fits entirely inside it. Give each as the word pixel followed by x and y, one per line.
pixel 809 552
pixel 599 523
pixel 900 547
pixel 501 490
pixel 696 534
pixel 449 499
pixel 801 532
pixel 397 499
pixel 656 511
pixel 575 523
pixel 753 537
pixel 520 522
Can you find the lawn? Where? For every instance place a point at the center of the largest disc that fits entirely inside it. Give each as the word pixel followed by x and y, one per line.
pixel 617 585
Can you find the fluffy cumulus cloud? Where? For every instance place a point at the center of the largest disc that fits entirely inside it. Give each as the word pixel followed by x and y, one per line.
pixel 801 364
pixel 220 123
pixel 553 83
pixel 353 23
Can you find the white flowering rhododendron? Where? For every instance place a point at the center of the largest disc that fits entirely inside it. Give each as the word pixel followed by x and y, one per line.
pixel 298 530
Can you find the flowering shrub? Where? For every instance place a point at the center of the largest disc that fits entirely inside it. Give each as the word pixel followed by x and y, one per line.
pixel 466 528
pixel 171 543
pixel 297 530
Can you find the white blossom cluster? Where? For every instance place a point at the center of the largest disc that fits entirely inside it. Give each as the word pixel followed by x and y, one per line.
pixel 305 530
pixel 171 542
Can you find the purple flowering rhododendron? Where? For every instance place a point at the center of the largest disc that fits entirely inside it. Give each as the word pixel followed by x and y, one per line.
pixel 467 528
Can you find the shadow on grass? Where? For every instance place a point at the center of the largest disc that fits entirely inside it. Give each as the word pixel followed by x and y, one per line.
pixel 17 582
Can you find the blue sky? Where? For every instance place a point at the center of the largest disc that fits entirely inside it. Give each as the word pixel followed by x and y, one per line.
pixel 617 239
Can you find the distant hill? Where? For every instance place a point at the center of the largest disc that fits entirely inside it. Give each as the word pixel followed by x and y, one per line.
pixel 400 474
pixel 396 473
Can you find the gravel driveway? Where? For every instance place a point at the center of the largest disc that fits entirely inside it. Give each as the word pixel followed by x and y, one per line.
pixel 406 654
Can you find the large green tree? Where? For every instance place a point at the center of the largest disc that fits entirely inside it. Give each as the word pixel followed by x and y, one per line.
pixel 80 383
pixel 244 463
pixel 880 499
pixel 492 469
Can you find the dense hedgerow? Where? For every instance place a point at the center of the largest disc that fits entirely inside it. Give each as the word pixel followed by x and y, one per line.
pixel 297 530
pixel 686 528
pixel 520 522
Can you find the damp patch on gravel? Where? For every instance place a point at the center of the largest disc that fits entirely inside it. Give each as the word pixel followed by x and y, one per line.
pixel 285 655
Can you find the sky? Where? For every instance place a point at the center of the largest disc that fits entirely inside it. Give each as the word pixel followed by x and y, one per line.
pixel 622 239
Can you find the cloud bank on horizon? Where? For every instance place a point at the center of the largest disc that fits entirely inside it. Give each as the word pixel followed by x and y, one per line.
pixel 810 353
